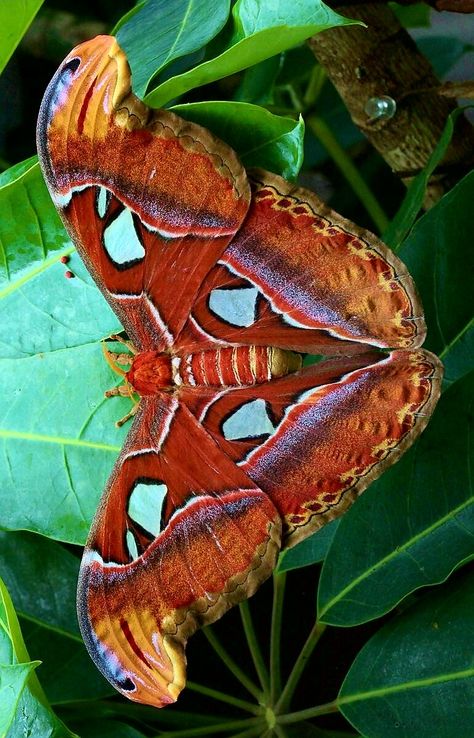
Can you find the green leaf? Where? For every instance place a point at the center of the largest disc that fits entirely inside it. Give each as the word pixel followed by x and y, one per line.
pixel 260 32
pixel 13 679
pixel 14 21
pixel 49 332
pixel 439 255
pixel 158 31
pixel 412 527
pixel 261 138
pixel 412 16
pixel 310 551
pixel 41 576
pixel 413 200
pixel 106 729
pixel 24 710
pixel 443 51
pixel 15 172
pixel 415 677
pixel 62 457
pixel 308 730
pixel 67 672
pixel 257 82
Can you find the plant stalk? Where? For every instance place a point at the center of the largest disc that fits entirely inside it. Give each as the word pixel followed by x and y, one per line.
pixel 239 674
pixel 223 697
pixel 254 647
pixel 345 164
pixel 285 698
pixel 279 582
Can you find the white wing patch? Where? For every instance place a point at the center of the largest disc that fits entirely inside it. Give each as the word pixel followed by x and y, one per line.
pixel 249 420
pixel 235 306
pixel 103 199
pixel 131 545
pixel 146 504
pixel 121 241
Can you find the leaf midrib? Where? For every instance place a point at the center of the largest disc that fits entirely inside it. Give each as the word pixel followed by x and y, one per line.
pixel 60 440
pixel 386 559
pixel 404 686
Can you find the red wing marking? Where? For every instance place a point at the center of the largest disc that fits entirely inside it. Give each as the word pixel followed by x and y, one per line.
pixel 332 428
pixel 94 135
pixel 324 285
pixel 218 541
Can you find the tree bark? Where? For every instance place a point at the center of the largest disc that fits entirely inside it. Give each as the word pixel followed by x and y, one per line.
pixel 382 60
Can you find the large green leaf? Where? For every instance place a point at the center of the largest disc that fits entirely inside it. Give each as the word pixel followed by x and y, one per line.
pixel 415 677
pixel 67 672
pixel 88 728
pixel 57 432
pixel 41 576
pixel 24 710
pixel 439 254
pixel 412 527
pixel 15 17
pixel 157 32
pixel 413 200
pixel 261 30
pixel 261 139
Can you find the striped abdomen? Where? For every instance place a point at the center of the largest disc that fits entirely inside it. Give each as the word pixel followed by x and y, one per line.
pixel 235 367
pixel 152 371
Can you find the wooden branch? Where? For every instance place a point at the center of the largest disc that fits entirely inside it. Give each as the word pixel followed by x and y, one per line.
pixel 382 60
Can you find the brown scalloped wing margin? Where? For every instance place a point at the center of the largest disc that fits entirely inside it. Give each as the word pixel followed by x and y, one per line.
pixel 326 281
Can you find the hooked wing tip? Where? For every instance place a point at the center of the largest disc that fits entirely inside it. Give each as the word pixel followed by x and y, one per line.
pixel 127 645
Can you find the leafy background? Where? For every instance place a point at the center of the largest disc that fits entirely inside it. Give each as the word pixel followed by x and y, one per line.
pixel 394 651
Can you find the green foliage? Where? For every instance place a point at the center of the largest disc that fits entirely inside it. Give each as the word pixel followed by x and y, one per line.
pixel 412 529
pixel 415 676
pixel 269 141
pixel 14 22
pixel 257 32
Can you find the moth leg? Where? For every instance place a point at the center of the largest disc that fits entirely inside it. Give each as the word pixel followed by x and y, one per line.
pixel 129 415
pixel 124 390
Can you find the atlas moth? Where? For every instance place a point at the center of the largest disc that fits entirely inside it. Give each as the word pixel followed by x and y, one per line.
pixel 222 279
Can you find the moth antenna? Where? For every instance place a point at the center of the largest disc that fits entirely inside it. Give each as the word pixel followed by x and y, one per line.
pixel 116 337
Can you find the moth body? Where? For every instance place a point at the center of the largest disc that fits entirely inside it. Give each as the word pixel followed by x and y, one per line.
pixel 238 366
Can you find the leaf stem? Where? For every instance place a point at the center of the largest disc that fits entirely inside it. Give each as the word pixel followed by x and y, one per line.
pixel 239 674
pixel 315 85
pixel 223 697
pixel 254 648
pixel 345 164
pixel 281 733
pixel 311 712
pixel 285 698
pixel 254 732
pixel 279 582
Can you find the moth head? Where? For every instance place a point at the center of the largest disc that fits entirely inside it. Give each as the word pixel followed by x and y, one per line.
pixel 125 639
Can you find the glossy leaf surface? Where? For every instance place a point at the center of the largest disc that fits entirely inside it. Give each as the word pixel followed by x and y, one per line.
pixel 432 254
pixel 259 33
pixel 14 21
pixel 157 32
pixel 23 707
pixel 41 576
pixel 261 138
pixel 415 677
